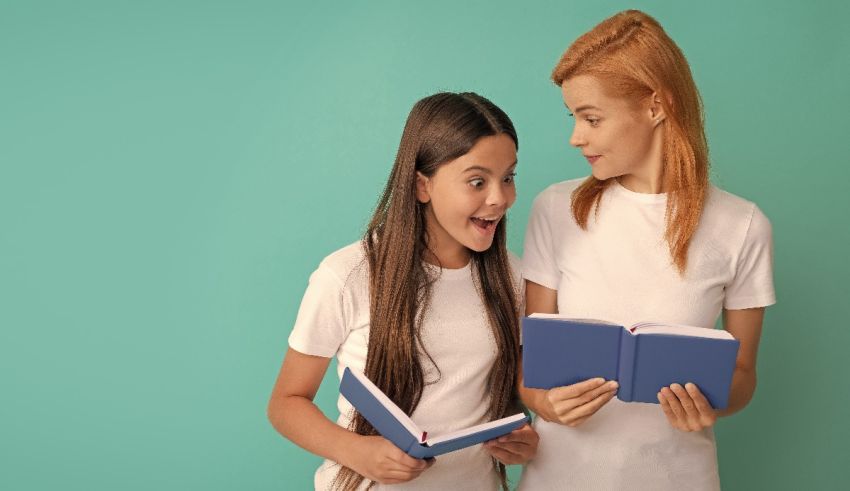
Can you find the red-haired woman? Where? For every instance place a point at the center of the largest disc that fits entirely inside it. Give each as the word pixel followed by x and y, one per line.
pixel 646 237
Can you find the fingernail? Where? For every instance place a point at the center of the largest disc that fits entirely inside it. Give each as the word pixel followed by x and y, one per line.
pixel 613 384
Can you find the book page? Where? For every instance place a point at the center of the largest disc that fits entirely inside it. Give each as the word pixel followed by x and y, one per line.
pixel 390 405
pixel 583 321
pixel 679 330
pixel 473 429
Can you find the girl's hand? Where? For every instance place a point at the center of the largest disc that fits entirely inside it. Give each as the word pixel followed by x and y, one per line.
pixel 377 459
pixel 517 447
pixel 686 408
pixel 571 405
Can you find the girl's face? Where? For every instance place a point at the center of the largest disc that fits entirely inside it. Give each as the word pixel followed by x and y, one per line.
pixel 467 197
pixel 617 136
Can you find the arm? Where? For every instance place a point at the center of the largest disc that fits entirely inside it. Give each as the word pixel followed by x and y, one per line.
pixel 687 408
pixel 745 325
pixel 570 405
pixel 294 415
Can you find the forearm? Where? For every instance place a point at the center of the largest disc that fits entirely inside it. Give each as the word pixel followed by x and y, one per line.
pixel 301 421
pixel 534 399
pixel 741 392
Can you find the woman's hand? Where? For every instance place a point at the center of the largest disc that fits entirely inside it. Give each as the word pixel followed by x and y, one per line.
pixel 686 408
pixel 517 447
pixel 377 459
pixel 572 405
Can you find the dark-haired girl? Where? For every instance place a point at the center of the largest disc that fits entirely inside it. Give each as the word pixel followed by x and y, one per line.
pixel 426 305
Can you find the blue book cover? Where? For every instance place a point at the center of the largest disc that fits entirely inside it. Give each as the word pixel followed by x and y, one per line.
pixel 642 358
pixel 397 427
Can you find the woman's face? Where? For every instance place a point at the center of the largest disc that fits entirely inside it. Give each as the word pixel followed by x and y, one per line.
pixel 617 136
pixel 467 197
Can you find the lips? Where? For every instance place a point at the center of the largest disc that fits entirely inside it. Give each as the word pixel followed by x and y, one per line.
pixel 485 226
pixel 592 158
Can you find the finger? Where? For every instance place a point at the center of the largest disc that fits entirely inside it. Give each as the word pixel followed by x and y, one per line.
pixel 691 412
pixel 404 461
pixel 675 406
pixel 524 434
pixel 575 390
pixel 395 476
pixel 693 419
pixel 668 411
pixel 587 410
pixel 587 397
pixel 505 456
pixel 702 404
pixel 517 448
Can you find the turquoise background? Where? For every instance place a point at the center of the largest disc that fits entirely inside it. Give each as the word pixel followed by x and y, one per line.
pixel 172 172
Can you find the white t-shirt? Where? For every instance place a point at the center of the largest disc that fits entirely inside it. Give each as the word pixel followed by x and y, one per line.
pixel 333 320
pixel 620 270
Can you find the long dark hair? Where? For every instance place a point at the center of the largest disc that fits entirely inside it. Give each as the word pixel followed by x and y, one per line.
pixel 440 128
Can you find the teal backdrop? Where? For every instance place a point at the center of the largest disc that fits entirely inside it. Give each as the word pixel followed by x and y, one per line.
pixel 172 172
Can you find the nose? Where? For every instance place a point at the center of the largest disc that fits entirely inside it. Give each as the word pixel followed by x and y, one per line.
pixel 501 196
pixel 577 138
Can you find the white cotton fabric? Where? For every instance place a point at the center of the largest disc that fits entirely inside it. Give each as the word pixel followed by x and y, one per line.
pixel 620 270
pixel 333 320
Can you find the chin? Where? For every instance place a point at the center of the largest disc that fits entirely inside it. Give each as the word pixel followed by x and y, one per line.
pixel 479 247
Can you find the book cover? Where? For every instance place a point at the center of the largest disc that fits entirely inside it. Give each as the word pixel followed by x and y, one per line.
pixel 397 427
pixel 642 359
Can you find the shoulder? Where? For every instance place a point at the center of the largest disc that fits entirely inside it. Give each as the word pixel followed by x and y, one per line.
pixel 516 264
pixel 727 207
pixel 554 199
pixel 560 190
pixel 344 264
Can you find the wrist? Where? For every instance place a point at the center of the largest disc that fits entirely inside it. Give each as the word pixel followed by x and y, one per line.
pixel 348 450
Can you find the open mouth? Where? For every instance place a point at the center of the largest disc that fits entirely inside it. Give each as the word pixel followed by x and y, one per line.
pixel 484 225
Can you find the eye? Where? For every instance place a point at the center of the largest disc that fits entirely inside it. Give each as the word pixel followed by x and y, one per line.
pixel 509 179
pixel 476 183
pixel 594 122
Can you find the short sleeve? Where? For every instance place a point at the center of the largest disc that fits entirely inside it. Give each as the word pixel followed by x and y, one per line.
pixel 518 280
pixel 320 327
pixel 538 256
pixel 752 285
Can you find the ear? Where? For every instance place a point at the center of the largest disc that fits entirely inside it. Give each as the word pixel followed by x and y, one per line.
pixel 656 109
pixel 422 194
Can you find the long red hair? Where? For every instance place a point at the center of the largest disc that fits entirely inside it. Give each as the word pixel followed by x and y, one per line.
pixel 633 57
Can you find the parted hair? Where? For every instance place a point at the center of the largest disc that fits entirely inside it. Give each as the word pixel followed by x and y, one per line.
pixel 632 56
pixel 439 128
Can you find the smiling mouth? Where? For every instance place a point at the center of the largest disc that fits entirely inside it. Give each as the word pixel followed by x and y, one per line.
pixel 484 225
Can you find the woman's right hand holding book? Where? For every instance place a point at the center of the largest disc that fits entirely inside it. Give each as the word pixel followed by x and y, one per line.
pixel 572 405
pixel 377 459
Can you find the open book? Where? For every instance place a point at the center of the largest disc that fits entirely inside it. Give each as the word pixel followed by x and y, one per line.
pixel 642 358
pixel 397 427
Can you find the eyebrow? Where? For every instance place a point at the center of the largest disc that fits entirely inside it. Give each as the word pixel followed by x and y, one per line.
pixel 486 170
pixel 583 108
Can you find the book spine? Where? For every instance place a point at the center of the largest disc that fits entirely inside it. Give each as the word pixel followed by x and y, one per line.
pixel 626 366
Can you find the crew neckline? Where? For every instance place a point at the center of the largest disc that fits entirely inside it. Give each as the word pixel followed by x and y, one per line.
pixel 448 273
pixel 635 196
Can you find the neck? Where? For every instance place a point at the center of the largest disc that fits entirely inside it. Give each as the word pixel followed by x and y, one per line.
pixel 442 250
pixel 648 177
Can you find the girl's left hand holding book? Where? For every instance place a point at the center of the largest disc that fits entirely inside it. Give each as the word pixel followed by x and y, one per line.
pixel 686 407
pixel 517 447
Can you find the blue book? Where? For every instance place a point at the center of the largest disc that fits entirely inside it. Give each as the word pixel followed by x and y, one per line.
pixel 642 358
pixel 397 427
